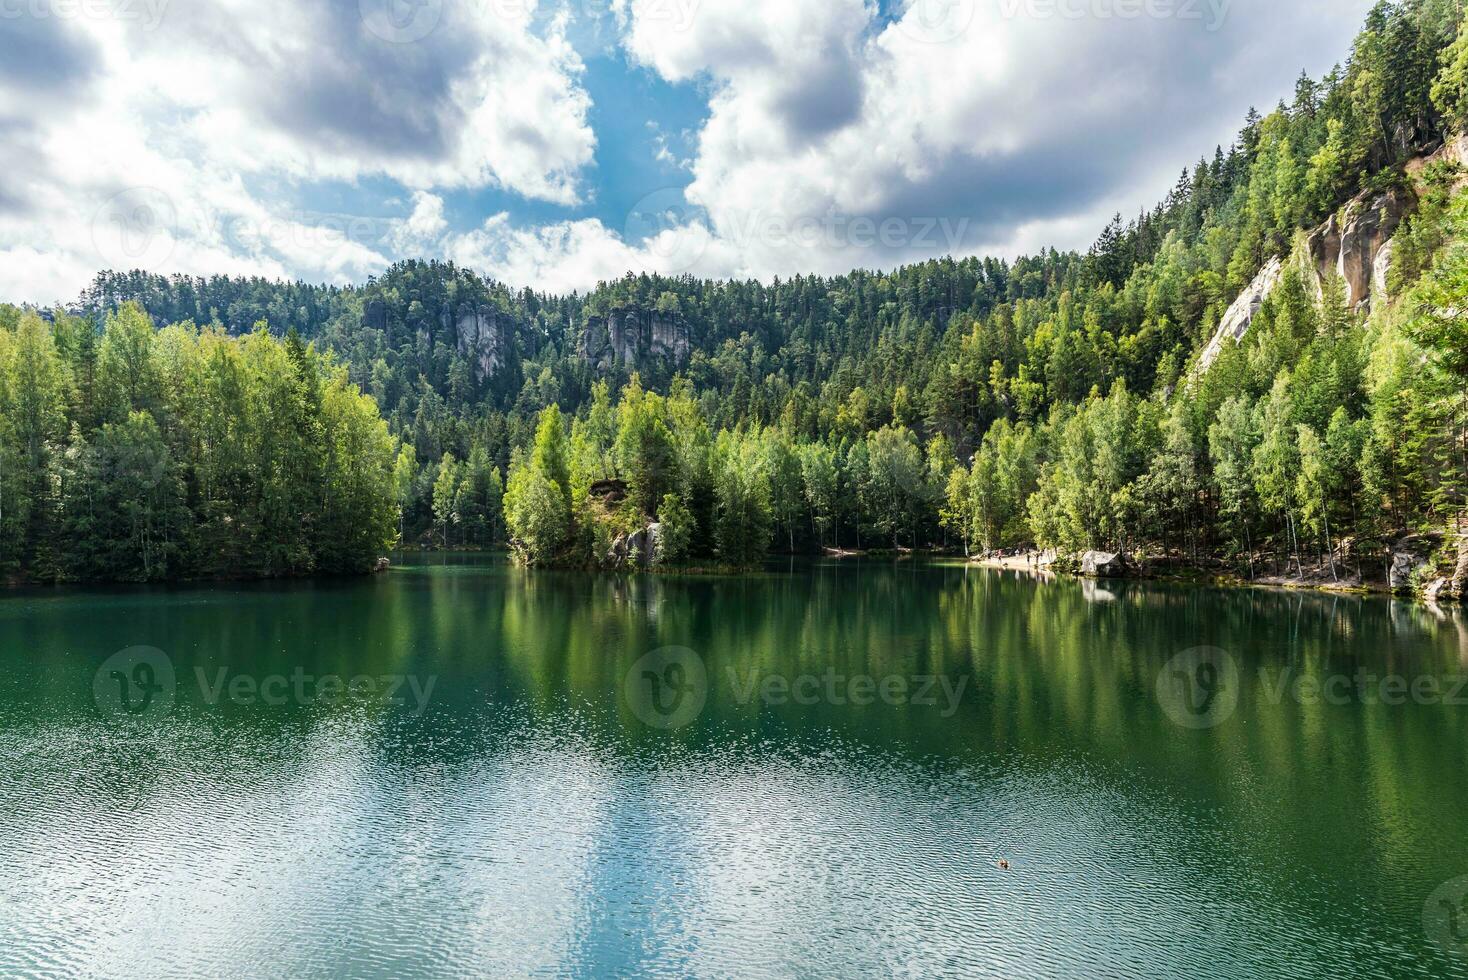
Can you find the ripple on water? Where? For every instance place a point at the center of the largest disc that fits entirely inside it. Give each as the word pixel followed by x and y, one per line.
pixel 513 842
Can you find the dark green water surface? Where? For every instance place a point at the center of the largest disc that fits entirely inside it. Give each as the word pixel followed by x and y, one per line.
pixel 462 768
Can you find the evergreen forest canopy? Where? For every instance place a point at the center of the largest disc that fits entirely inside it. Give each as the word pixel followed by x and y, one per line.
pixel 1053 401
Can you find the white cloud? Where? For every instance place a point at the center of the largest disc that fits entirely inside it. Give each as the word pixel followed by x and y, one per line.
pixel 834 139
pixel 209 121
pixel 1013 118
pixel 425 224
pixel 571 256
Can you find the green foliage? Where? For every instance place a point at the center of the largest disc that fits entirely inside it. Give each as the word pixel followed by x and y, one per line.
pixel 1450 89
pixel 146 455
pixel 1052 400
pixel 676 531
pixel 742 521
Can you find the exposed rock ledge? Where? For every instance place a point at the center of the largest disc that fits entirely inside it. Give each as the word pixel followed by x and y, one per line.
pixel 1355 243
pixel 1240 315
pixel 630 336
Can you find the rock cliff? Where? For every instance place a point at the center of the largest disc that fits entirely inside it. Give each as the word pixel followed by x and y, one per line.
pixel 481 332
pixel 630 337
pixel 1240 315
pixel 1355 243
pixel 481 337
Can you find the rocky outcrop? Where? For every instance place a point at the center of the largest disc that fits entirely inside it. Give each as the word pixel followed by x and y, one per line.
pixel 481 331
pixel 1102 564
pixel 1408 562
pixel 631 337
pixel 1369 224
pixel 374 315
pixel 1453 152
pixel 610 493
pixel 640 546
pixel 1355 243
pixel 1460 573
pixel 1240 315
pixel 1452 587
pixel 481 337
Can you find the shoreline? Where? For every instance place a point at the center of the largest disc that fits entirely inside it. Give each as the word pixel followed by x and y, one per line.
pixel 1198 576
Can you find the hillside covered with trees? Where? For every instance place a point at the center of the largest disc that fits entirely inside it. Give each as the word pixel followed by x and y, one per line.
pixel 1056 401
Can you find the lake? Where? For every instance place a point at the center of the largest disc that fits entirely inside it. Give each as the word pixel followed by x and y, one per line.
pixel 465 769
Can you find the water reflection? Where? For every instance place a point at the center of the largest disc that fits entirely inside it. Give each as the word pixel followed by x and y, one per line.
pixel 531 819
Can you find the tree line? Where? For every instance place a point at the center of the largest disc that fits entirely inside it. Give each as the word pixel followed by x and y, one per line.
pixel 130 453
pixel 973 403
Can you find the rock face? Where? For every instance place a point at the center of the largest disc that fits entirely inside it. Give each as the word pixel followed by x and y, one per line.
pixel 639 545
pixel 1454 151
pixel 1236 320
pixel 374 316
pixel 1460 577
pixel 630 337
pixel 1408 559
pixel 1102 564
pixel 1458 584
pixel 1355 244
pixel 481 337
pixel 481 332
pixel 1368 225
pixel 1379 269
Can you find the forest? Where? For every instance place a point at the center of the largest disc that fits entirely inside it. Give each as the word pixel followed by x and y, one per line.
pixel 974 405
pixel 131 453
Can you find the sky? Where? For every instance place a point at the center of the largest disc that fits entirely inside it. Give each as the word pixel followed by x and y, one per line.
pixel 557 144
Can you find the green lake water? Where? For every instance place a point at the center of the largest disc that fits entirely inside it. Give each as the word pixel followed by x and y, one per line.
pixel 465 769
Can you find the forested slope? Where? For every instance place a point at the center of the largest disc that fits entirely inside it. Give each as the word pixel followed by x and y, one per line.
pixel 1059 400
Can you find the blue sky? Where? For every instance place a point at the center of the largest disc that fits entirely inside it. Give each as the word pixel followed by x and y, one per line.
pixel 556 144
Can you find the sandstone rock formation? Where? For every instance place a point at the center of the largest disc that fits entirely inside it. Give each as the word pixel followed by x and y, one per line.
pixel 629 337
pixel 640 546
pixel 1236 320
pixel 480 331
pixel 482 338
pixel 1352 246
pixel 1355 243
pixel 1409 559
pixel 374 316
